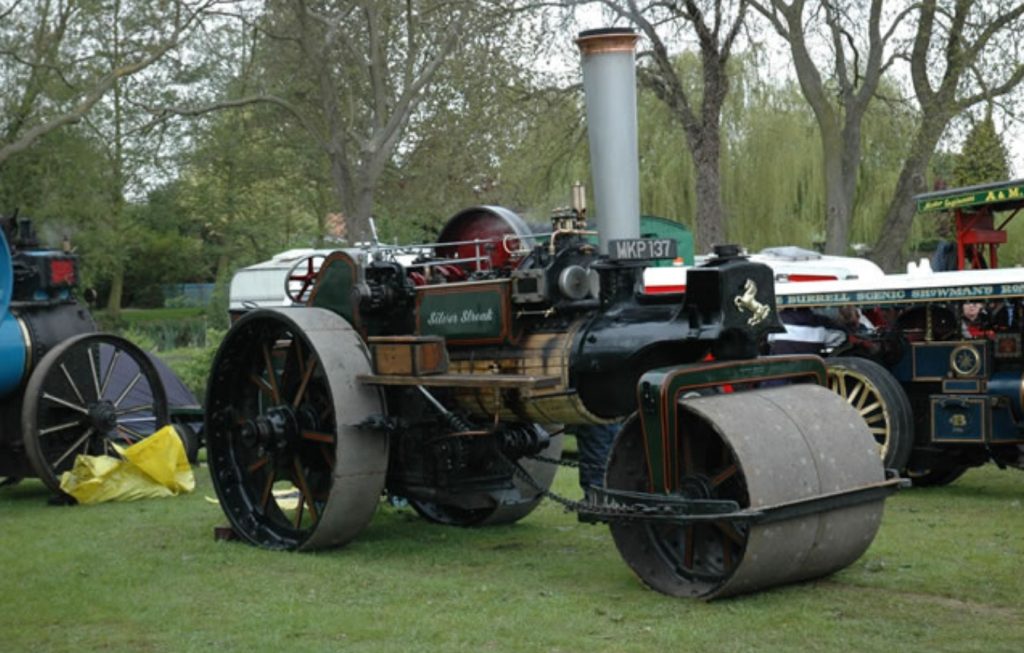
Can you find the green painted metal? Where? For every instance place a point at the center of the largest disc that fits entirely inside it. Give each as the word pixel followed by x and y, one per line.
pixel 652 226
pixel 469 313
pixel 334 287
pixel 659 392
pixel 1000 196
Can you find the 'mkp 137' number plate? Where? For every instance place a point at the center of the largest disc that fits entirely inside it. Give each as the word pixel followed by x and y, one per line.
pixel 641 249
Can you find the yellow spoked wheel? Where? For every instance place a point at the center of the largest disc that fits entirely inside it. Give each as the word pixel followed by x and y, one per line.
pixel 881 401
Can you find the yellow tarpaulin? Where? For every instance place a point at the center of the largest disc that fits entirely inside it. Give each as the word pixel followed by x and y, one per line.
pixel 154 467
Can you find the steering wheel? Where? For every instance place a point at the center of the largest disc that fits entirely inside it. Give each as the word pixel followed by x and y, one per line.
pixel 299 281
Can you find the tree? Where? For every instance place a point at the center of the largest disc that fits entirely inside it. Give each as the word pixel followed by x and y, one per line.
pixel 983 157
pixel 354 75
pixel 963 53
pixel 857 59
pixel 53 67
pixel 717 26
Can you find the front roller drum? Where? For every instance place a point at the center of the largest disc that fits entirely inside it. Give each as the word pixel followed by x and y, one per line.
pixel 288 458
pixel 764 449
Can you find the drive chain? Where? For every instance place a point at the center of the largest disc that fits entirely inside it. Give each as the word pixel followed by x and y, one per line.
pixel 591 506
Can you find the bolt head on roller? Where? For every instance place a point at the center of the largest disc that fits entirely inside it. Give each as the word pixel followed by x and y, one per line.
pixel 609 84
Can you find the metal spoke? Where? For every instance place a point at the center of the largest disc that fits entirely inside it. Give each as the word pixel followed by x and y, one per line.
pixel 729 530
pixel 59 427
pixel 316 436
pixel 131 385
pixel 724 475
pixel 95 372
pixel 300 479
pixel 74 388
pixel 297 343
pixel 275 395
pixel 310 368
pixel 854 394
pixel 863 399
pixel 870 408
pixel 263 386
pixel 78 442
pixel 65 403
pixel 133 433
pixel 110 372
pixel 141 408
pixel 328 456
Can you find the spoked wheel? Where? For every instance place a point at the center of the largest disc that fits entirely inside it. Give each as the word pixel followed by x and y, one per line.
pixel 786 445
pixel 504 507
pixel 881 401
pixel 87 393
pixel 290 460
pixel 298 283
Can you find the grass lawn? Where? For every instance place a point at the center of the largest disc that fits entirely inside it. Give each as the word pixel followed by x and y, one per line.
pixel 944 574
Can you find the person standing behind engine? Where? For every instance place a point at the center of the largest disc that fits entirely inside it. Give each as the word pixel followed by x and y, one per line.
pixel 807 332
pixel 974 323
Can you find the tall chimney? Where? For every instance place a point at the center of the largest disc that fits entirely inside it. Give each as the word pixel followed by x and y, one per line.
pixel 609 84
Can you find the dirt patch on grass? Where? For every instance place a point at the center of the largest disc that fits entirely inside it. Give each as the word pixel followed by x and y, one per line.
pixel 946 602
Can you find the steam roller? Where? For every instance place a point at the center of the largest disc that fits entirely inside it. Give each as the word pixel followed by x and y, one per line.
pixel 444 374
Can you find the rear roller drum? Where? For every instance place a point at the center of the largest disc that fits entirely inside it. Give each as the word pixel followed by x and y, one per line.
pixel 88 393
pixel 786 444
pixel 289 460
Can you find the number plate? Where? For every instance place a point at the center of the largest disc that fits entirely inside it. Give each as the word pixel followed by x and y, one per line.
pixel 641 249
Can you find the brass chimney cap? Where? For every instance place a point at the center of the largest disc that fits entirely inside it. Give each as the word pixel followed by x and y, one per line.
pixel 607 39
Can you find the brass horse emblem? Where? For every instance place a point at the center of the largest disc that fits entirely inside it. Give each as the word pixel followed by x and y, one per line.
pixel 747 302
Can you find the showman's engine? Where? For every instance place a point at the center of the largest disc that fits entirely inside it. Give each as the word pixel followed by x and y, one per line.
pixel 445 373
pixel 65 389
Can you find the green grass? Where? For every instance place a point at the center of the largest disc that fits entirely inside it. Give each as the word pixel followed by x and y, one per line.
pixel 944 574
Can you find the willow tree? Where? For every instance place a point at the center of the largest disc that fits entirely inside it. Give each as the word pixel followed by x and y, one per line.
pixel 839 81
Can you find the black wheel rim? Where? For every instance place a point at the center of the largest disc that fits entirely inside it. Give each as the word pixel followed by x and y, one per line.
pixel 272 435
pixel 87 394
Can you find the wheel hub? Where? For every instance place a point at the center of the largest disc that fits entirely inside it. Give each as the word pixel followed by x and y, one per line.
pixel 103 416
pixel 274 430
pixel 696 487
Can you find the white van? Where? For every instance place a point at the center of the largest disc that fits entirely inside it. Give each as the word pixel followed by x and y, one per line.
pixel 264 284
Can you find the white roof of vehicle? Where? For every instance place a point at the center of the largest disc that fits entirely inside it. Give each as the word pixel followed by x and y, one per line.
pixel 262 284
pixel 790 264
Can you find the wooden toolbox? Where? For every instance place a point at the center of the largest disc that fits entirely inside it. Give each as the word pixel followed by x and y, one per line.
pixel 409 355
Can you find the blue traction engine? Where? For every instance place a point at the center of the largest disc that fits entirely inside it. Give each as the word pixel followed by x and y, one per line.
pixel 64 388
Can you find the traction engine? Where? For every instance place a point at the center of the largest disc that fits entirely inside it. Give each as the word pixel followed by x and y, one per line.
pixel 64 388
pixel 444 374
